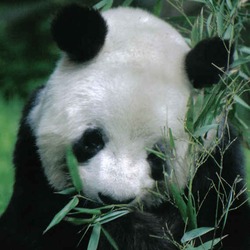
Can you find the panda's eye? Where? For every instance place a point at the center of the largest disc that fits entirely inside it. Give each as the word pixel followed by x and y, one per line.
pixel 88 145
pixel 157 164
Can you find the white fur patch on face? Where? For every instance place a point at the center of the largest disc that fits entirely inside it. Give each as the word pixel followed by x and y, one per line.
pixel 133 90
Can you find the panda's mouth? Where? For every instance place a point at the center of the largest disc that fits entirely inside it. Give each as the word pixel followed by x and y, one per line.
pixel 107 200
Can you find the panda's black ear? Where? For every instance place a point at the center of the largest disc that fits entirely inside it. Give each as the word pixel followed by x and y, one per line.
pixel 207 61
pixel 79 31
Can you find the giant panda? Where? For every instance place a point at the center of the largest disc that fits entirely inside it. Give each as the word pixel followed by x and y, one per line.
pixel 124 78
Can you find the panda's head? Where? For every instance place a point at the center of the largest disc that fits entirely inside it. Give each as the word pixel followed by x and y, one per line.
pixel 122 83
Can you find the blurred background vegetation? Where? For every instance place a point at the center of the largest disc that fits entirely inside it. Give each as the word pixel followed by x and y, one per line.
pixel 28 56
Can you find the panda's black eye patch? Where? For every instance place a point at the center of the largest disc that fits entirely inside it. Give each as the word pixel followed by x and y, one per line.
pixel 88 145
pixel 157 163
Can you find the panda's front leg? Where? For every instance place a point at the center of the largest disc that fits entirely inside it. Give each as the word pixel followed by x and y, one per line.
pixel 140 231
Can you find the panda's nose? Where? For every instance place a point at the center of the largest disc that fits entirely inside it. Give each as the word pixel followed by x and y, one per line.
pixel 109 200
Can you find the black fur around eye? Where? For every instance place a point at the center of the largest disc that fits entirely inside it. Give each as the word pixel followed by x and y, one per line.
pixel 157 165
pixel 89 144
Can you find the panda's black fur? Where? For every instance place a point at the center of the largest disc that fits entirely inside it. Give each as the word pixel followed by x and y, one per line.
pixel 35 202
pixel 69 39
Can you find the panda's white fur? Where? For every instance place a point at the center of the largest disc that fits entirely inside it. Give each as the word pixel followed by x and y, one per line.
pixel 135 89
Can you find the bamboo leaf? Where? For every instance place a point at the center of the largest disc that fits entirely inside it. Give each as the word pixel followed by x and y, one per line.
pixel 199 1
pixel 195 33
pixel 191 214
pixel 245 49
pixel 79 221
pixel 229 32
pixel 206 117
pixel 171 139
pixel 93 211
pixel 108 5
pixel 241 102
pixel 94 237
pixel 241 122
pixel 73 170
pixel 227 210
pixel 111 216
pixel 219 18
pixel 68 191
pixel 178 199
pixel 204 129
pixel 127 3
pixel 201 24
pixel 110 239
pixel 208 245
pixel 104 5
pixel 158 7
pixel 229 4
pixel 189 122
pixel 195 233
pixel 61 214
pixel 241 61
pixel 209 26
pixel 100 5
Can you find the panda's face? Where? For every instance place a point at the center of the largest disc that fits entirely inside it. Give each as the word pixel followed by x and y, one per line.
pixel 114 109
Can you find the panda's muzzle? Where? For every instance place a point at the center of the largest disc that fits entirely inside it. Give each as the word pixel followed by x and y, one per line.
pixel 109 200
